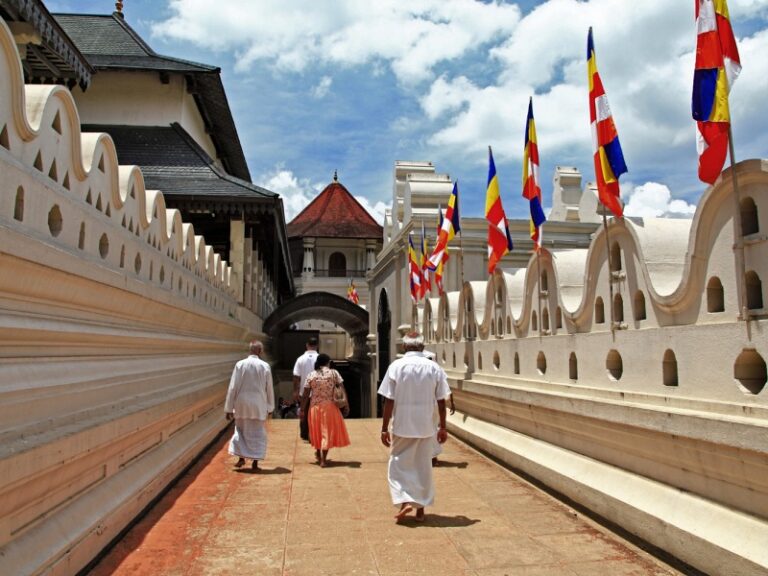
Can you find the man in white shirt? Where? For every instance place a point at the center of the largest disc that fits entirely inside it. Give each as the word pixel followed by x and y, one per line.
pixel 301 369
pixel 411 387
pixel 250 400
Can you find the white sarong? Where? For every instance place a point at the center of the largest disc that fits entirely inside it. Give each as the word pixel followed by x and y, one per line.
pixel 437 448
pixel 410 471
pixel 249 439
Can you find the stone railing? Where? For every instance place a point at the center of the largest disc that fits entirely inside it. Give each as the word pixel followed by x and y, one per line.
pixel 118 332
pixel 631 376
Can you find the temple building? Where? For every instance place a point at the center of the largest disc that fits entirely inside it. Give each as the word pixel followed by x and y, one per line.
pixel 171 117
pixel 334 242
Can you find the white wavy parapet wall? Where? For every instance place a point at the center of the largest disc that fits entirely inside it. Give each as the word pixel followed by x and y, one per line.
pixel 657 421
pixel 118 331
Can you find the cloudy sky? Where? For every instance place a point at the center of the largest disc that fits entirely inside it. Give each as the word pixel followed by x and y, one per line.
pixel 319 85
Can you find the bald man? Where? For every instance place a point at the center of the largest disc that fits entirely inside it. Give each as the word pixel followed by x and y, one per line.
pixel 250 400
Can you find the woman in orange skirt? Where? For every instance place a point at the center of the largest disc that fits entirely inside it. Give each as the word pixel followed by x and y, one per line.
pixel 326 423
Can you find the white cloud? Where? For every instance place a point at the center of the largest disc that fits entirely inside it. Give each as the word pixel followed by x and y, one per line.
pixel 413 37
pixel 654 200
pixel 375 210
pixel 322 88
pixel 296 193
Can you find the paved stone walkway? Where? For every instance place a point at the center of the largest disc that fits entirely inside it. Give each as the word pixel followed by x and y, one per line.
pixel 295 518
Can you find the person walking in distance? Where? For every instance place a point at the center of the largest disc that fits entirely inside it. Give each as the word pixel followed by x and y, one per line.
pixel 411 387
pixel 250 400
pixel 327 429
pixel 301 369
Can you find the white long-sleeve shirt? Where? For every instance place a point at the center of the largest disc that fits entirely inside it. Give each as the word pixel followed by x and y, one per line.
pixel 250 393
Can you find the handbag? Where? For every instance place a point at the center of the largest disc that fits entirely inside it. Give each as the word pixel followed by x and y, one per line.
pixel 340 395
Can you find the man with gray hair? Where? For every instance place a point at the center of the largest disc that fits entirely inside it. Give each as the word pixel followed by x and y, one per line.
pixel 250 400
pixel 411 387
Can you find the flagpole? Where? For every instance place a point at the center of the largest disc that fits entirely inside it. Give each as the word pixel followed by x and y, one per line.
pixel 739 240
pixel 408 274
pixel 538 286
pixel 610 268
pixel 461 261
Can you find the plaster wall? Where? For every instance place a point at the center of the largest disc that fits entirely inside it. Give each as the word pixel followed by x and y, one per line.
pixel 141 99
pixel 119 328
pixel 622 373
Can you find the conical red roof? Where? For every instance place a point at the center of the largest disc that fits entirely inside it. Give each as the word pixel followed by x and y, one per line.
pixel 334 214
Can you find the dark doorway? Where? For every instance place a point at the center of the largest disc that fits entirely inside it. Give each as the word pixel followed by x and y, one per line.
pixel 337 265
pixel 383 328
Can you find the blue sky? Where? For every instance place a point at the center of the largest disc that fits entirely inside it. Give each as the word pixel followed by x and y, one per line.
pixel 317 86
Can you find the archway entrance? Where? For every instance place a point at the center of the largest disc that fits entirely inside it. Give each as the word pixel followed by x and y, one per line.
pixel 284 347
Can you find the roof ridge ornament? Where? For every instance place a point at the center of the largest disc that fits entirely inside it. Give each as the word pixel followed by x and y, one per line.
pixel 119 8
pixel 335 176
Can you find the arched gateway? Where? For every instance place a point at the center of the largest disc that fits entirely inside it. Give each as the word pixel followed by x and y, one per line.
pixel 331 308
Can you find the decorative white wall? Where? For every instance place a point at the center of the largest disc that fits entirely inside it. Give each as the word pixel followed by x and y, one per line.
pixel 656 420
pixel 118 333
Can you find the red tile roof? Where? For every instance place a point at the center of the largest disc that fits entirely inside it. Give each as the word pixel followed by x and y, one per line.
pixel 334 214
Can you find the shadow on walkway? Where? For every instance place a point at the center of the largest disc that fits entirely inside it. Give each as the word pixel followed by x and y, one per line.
pixel 263 471
pixel 341 464
pixel 449 464
pixel 439 521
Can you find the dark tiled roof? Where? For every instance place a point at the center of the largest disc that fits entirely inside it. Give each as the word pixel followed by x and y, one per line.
pixel 109 43
pixel 334 214
pixel 174 163
pixel 55 58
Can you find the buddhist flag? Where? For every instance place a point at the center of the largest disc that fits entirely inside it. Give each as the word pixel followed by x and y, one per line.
pixel 450 227
pixel 531 188
pixel 423 259
pixel 352 294
pixel 439 269
pixel 414 269
pixel 609 159
pixel 717 67
pixel 499 240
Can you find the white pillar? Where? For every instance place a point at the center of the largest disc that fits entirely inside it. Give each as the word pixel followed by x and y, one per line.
pixel 370 254
pixel 308 269
pixel 236 255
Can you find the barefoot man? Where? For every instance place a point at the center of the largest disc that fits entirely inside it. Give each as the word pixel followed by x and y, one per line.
pixel 250 399
pixel 411 387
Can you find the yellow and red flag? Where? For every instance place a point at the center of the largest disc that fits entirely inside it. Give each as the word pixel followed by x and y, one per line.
pixel 415 276
pixel 423 261
pixel 499 239
pixel 444 259
pixel 609 159
pixel 531 187
pixel 448 229
pixel 717 67
pixel 352 294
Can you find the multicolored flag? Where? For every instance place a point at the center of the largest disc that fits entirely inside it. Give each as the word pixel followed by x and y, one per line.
pixel 609 159
pixel 717 67
pixel 449 228
pixel 499 239
pixel 531 188
pixel 414 268
pixel 352 294
pixel 444 259
pixel 423 259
